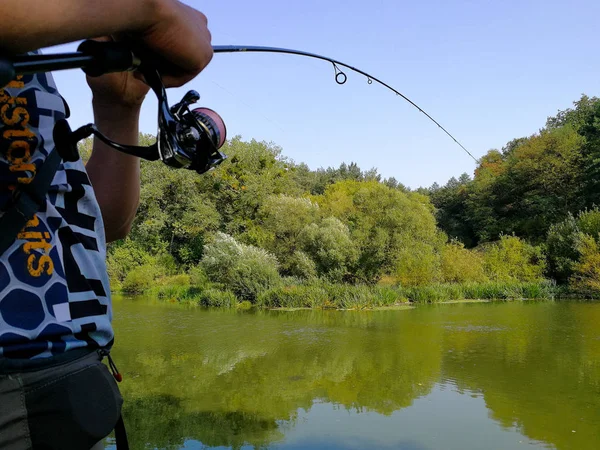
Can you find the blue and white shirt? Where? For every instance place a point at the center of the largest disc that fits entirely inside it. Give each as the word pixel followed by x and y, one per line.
pixel 54 290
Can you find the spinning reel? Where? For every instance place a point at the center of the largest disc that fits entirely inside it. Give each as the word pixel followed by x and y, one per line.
pixel 187 138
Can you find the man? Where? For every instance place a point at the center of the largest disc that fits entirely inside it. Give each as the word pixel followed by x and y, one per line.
pixel 55 310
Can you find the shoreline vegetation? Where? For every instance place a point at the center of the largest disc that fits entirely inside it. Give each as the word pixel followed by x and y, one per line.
pixel 263 230
pixel 322 295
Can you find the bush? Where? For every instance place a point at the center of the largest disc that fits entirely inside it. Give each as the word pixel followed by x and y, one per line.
pixel 563 242
pixel 418 264
pixel 244 269
pixel 459 265
pixel 387 295
pixel 176 280
pixel 173 293
pixel 561 245
pixel 294 296
pixel 128 257
pixel 140 279
pixel 300 265
pixel 321 294
pixel 491 290
pixel 512 259
pixel 217 298
pixel 198 276
pixel 330 247
pixel 589 222
pixel 586 273
pixel 124 257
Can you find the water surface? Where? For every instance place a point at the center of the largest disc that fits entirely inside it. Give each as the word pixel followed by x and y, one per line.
pixel 462 376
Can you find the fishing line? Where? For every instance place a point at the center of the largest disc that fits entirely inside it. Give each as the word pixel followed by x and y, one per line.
pixel 340 76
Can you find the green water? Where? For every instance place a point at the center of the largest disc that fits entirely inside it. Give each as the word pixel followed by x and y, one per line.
pixel 463 376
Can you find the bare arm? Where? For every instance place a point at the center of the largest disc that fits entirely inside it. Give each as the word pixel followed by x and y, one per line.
pixel 169 29
pixel 115 176
pixel 174 32
pixel 60 21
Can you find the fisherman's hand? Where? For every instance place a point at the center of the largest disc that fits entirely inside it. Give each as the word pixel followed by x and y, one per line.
pixel 121 90
pixel 179 37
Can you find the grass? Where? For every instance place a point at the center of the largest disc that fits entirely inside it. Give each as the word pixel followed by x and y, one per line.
pixel 319 294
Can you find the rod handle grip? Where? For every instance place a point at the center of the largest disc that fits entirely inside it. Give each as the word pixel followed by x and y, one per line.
pixel 108 57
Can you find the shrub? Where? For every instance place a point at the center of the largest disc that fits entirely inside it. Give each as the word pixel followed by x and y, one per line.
pixel 176 280
pixel 418 264
pixel 217 298
pixel 387 295
pixel 198 276
pixel 330 247
pixel 588 222
pixel 244 269
pixel 563 242
pixel 561 245
pixel 300 265
pixel 459 265
pixel 586 276
pixel 140 279
pixel 124 257
pixel 512 259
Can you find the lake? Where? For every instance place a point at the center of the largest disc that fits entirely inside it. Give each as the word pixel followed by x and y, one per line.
pixel 455 376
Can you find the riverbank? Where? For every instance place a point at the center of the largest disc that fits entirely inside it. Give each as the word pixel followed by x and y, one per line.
pixel 318 294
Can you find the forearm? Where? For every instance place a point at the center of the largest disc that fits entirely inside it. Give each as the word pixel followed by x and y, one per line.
pixel 31 24
pixel 115 176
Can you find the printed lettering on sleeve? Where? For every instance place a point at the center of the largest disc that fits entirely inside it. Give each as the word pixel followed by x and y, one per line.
pixel 54 291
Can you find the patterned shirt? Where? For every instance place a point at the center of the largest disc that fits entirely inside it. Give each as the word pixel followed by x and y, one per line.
pixel 54 290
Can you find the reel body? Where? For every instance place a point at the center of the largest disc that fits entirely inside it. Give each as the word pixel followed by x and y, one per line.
pixel 186 139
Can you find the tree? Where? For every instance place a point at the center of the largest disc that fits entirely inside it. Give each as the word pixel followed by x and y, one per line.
pixel 383 222
pixel 330 246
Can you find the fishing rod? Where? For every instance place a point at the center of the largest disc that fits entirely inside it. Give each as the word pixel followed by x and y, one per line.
pixel 186 138
pixel 340 76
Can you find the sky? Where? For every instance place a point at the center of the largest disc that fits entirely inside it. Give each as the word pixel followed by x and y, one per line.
pixel 488 71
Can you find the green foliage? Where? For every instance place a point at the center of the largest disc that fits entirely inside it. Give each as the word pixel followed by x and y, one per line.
pixel 419 262
pixel 491 290
pixel 217 298
pixel 586 272
pixel 124 257
pixel 331 248
pixel 512 259
pixel 280 220
pixel 561 245
pixel 564 243
pixel 244 269
pixel 326 295
pixel 382 221
pixel 177 280
pixel 459 265
pixel 253 172
pixel 452 212
pixel 260 217
pixel 198 276
pixel 301 265
pixel 531 184
pixel 140 279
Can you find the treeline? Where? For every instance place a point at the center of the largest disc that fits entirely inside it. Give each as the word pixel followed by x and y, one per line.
pixel 262 226
pixel 544 188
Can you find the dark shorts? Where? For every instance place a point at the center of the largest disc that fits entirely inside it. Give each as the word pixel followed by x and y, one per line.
pixel 69 406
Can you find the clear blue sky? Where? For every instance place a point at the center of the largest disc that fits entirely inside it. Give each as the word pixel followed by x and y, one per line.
pixel 489 71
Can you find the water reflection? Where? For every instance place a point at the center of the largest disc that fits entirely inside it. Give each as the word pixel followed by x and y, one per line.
pixel 420 379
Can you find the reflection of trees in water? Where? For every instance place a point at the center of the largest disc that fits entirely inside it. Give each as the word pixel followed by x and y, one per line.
pixel 539 372
pixel 261 368
pixel 162 422
pixel 228 378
